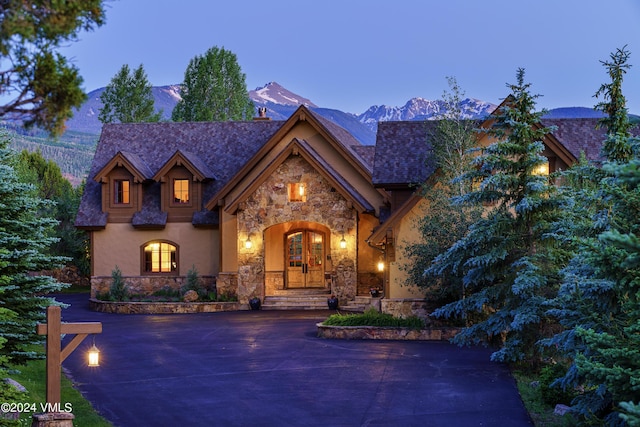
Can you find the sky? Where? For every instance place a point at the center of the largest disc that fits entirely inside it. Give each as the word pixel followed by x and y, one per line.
pixel 352 54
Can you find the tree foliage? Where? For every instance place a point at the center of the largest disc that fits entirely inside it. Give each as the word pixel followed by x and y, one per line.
pixel 48 183
pixel 505 260
pixel 128 98
pixel 214 89
pixel 25 237
pixel 598 303
pixel 39 85
pixel 451 142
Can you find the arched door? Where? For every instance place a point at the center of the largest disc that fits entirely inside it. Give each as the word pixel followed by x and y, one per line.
pixel 304 259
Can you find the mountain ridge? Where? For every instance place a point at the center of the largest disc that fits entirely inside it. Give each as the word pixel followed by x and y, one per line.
pixel 281 103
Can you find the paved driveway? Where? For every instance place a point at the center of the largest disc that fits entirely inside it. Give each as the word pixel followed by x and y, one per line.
pixel 268 368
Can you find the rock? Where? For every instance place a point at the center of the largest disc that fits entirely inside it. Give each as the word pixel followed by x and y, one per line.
pixel 190 296
pixel 561 409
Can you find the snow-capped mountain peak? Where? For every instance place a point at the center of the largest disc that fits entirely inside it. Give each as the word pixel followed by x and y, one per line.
pixel 273 93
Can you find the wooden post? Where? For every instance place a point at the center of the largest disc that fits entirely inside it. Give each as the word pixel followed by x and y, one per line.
pixel 54 364
pixel 53 329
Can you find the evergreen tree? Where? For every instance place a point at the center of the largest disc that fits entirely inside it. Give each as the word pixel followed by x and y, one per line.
pixel 25 236
pixel 616 147
pixel 128 98
pixel 599 301
pixel 214 89
pixel 506 260
pixel 450 154
pixel 48 183
pixel 38 85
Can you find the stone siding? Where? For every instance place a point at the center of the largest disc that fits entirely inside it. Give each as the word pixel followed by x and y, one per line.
pixel 269 205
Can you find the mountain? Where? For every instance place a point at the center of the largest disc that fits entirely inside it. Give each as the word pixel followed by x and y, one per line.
pixel 422 109
pixel 574 113
pixel 281 103
pixel 85 118
pixel 273 93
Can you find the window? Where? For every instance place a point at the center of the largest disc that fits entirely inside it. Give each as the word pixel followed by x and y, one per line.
pixel 542 169
pixel 181 191
pixel 297 192
pixel 122 192
pixel 160 257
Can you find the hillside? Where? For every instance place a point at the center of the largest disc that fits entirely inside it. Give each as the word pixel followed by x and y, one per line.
pixel 73 152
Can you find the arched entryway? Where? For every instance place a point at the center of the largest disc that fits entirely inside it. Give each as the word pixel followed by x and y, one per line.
pixel 297 256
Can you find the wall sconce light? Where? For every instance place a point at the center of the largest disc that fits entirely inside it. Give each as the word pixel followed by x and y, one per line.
pixel 343 243
pixel 301 189
pixel 248 243
pixel 381 265
pixel 94 356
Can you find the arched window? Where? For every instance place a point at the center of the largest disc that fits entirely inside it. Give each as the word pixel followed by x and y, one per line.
pixel 159 257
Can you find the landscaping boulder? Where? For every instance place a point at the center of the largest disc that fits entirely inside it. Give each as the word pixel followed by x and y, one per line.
pixel 190 296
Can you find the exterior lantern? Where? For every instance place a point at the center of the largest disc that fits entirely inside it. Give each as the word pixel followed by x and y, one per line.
pixel 248 243
pixel 381 265
pixel 94 356
pixel 343 243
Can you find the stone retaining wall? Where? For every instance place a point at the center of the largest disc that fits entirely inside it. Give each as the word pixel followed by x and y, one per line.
pixel 118 307
pixel 147 285
pixel 389 333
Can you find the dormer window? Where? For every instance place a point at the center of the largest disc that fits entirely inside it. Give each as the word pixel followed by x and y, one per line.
pixel 122 191
pixel 181 191
pixel 297 192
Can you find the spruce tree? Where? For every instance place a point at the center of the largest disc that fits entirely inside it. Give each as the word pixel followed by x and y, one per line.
pixel 128 98
pixel 214 89
pixel 598 303
pixel 506 260
pixel 25 236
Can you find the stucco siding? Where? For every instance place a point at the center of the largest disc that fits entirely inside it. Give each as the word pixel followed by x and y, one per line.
pixel 120 244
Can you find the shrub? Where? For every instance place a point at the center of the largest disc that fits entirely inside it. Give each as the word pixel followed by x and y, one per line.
pixel 193 282
pixel 372 317
pixel 118 290
pixel 555 394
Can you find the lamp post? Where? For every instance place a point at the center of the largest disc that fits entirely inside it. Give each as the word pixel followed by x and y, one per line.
pixel 55 355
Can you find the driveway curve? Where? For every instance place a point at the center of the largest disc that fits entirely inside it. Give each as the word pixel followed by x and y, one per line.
pixel 268 368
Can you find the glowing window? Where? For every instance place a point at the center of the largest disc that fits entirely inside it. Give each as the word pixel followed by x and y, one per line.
pixel 297 192
pixel 160 257
pixel 181 191
pixel 542 169
pixel 121 191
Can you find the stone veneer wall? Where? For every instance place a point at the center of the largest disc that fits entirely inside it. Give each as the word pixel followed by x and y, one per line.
pixel 147 285
pixel 269 205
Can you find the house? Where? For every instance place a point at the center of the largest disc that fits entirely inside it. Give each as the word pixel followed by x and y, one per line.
pixel 266 208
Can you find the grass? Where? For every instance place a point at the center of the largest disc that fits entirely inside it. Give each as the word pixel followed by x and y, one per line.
pixel 541 413
pixel 32 376
pixel 372 317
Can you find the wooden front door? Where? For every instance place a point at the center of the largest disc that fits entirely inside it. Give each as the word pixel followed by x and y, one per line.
pixel 304 259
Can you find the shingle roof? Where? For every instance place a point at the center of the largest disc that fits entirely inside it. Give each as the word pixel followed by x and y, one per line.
pixel 342 136
pixel 223 146
pixel 401 152
pixel 581 135
pixel 402 147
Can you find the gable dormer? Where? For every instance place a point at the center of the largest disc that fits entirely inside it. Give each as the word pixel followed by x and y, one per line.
pixel 121 186
pixel 181 179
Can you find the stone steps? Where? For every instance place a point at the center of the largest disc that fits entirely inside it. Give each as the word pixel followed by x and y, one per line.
pixel 296 302
pixel 360 304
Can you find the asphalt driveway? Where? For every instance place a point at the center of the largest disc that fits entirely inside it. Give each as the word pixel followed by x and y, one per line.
pixel 268 368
